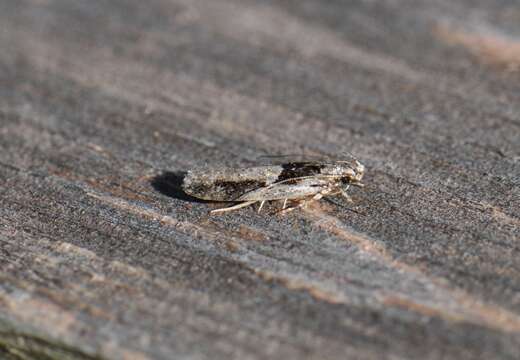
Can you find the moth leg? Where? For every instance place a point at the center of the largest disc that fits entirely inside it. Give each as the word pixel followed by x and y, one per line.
pixel 284 204
pixel 316 197
pixel 302 203
pixel 261 205
pixel 346 196
pixel 234 207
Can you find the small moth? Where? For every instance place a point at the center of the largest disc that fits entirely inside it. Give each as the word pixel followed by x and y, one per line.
pixel 300 181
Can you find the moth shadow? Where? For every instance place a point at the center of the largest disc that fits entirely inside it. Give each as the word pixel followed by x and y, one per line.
pixel 169 183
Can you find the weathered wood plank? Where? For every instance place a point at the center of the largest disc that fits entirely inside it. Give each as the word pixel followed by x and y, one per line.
pixel 104 104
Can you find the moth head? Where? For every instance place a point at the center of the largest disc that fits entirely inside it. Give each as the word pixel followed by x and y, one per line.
pixel 350 172
pixel 359 170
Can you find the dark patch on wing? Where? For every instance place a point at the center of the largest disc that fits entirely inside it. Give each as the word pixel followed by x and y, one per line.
pixel 299 169
pixel 234 189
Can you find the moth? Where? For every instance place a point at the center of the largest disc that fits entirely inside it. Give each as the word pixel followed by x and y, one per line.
pixel 300 181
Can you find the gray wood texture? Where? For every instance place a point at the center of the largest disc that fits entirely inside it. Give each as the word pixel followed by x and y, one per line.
pixel 103 105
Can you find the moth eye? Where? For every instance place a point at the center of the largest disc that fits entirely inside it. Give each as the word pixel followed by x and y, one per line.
pixel 345 180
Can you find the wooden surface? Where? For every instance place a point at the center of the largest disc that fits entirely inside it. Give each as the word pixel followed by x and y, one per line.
pixel 103 105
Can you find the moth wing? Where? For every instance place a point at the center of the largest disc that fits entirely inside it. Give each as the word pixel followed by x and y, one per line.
pixel 228 184
pixel 293 189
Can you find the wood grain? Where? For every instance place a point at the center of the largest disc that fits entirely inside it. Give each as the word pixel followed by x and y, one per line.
pixel 105 104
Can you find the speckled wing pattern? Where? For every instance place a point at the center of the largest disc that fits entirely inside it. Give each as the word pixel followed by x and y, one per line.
pixel 258 183
pixel 228 184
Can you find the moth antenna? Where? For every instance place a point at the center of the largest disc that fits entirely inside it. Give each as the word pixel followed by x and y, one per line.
pixel 231 208
pixel 342 206
pixel 261 206
pixel 348 156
